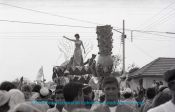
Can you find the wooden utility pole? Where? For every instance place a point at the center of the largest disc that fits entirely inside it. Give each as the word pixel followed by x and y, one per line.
pixel 123 41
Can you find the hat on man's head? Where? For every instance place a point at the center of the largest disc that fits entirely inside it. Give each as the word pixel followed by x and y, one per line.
pixel 4 97
pixel 169 75
pixel 44 91
pixel 128 90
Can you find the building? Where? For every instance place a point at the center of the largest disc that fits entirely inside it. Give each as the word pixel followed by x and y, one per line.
pixel 152 71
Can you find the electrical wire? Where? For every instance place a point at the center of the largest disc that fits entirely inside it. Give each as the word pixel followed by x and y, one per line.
pixel 148 32
pixel 47 13
pixel 161 20
pixel 157 14
pixel 156 34
pixel 85 21
pixel 152 32
pixel 148 38
pixel 48 24
pixel 117 30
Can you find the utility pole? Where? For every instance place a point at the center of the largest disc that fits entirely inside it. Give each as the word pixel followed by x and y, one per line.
pixel 123 41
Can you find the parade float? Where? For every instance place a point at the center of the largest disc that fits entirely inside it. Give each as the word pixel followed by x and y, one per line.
pixel 104 62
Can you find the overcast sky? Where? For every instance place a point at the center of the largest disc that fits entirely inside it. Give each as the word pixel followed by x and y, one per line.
pixel 24 47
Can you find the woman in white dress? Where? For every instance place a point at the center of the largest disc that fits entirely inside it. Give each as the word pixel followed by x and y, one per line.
pixel 77 57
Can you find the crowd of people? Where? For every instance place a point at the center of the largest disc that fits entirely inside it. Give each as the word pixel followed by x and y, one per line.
pixel 79 97
pixel 76 96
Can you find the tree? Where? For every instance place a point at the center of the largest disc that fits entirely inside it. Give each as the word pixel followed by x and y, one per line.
pixel 132 68
pixel 116 63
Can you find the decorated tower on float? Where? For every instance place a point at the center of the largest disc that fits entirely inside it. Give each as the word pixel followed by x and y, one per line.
pixel 104 62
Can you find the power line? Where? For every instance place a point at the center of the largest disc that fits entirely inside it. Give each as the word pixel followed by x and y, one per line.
pixel 155 34
pixel 11 38
pixel 35 32
pixel 75 19
pixel 157 14
pixel 48 24
pixel 47 13
pixel 19 36
pixel 90 36
pixel 51 14
pixel 30 38
pixel 148 38
pixel 148 32
pixel 152 32
pixel 161 20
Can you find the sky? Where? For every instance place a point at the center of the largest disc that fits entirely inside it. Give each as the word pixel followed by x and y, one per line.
pixel 25 47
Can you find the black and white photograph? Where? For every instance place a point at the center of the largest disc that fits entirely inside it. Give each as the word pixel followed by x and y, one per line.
pixel 87 56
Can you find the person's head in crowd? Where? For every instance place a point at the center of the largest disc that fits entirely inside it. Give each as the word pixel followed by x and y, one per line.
pixel 157 84
pixel 160 83
pixel 87 90
pixel 27 90
pixel 102 98
pixel 111 89
pixel 35 96
pixel 6 85
pixel 16 97
pixel 150 93
pixel 35 92
pixel 154 81
pixel 88 95
pixel 4 101
pixel 127 93
pixel 50 99
pixel 59 97
pixel 24 107
pixel 44 93
pixel 161 98
pixel 73 93
pixel 36 88
pixel 169 77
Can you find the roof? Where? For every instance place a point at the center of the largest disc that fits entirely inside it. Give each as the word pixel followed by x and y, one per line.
pixel 156 68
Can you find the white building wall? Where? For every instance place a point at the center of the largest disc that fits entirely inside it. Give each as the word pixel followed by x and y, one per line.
pixel 147 82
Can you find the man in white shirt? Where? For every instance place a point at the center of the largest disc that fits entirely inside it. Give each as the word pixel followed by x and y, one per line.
pixel 169 106
pixel 110 87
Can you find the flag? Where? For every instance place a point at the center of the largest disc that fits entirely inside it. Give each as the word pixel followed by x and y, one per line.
pixel 20 83
pixel 21 79
pixel 40 74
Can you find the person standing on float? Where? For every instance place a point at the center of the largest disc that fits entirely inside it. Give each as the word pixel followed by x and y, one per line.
pixel 77 57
